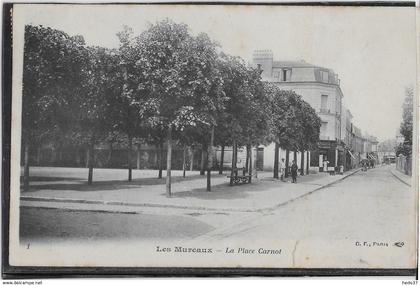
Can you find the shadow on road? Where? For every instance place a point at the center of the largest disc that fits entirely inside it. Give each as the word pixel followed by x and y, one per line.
pixel 77 184
pixel 224 191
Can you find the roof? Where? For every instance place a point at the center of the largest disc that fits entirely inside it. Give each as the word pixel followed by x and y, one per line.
pixel 301 63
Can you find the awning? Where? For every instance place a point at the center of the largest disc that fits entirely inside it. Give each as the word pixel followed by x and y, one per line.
pixel 351 154
pixel 371 156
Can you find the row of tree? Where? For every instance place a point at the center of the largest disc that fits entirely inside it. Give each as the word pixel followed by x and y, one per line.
pixel 406 127
pixel 164 85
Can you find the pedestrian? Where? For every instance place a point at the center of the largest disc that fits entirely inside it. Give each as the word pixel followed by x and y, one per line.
pixel 325 165
pixel 282 169
pixel 294 170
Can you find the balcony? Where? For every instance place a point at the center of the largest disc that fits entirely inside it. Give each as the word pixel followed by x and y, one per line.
pixel 324 111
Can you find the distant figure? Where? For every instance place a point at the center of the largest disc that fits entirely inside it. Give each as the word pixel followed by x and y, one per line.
pixel 325 165
pixel 294 170
pixel 282 169
pixel 364 165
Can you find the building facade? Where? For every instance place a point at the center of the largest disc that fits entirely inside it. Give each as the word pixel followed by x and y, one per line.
pixel 320 87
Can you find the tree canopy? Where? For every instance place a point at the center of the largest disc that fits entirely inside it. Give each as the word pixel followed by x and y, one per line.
pixel 162 85
pixel 406 127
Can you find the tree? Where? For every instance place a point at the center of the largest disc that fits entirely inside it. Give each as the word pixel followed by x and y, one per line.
pixel 406 127
pixel 92 101
pixel 310 129
pixel 129 104
pixel 256 128
pixel 51 73
pixel 175 68
pixel 388 145
pixel 238 87
pixel 155 135
pixel 286 120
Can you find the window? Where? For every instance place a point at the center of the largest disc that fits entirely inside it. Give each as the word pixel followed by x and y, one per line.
pixel 324 104
pixel 324 76
pixel 276 75
pixel 323 130
pixel 286 74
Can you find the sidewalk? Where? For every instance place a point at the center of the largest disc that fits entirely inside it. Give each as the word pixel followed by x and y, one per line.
pixel 264 193
pixel 406 179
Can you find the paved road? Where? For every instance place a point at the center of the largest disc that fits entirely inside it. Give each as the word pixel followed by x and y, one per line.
pixel 371 205
pixel 367 205
pixel 364 221
pixel 46 225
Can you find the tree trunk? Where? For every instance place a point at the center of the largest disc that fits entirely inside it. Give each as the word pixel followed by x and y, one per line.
pixel 130 148
pixel 60 155
pixel 295 156
pixel 236 155
pixel 184 154
pixel 192 159
pixel 54 156
pixel 38 156
pixel 249 150
pixel 276 161
pixel 90 165
pixel 222 158
pixel 138 156
pixel 255 162
pixel 210 159
pixel 286 174
pixel 169 163
pixel 307 162
pixel 26 167
pixel 160 160
pixel 87 157
pixel 232 171
pixel 302 162
pixel 203 160
pixel 77 157
pixel 246 158
pixel 109 160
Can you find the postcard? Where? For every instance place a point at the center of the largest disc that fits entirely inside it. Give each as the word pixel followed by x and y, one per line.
pixel 213 136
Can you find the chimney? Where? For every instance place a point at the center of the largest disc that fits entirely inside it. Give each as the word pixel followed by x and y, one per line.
pixel 263 59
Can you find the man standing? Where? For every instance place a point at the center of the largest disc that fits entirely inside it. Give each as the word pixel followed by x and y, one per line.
pixel 294 170
pixel 282 169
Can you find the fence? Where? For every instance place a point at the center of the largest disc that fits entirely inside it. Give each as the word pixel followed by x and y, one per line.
pixel 141 158
pixel 117 158
pixel 403 164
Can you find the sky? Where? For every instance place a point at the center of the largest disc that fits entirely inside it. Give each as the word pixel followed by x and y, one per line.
pixel 372 49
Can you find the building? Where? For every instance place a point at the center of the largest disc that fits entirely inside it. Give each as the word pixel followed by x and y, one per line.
pixel 370 144
pixel 347 138
pixel 320 87
pixel 357 145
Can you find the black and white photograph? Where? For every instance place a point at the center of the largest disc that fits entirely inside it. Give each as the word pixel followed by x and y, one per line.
pixel 234 136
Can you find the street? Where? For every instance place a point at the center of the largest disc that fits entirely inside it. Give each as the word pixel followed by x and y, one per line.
pixel 368 205
pixel 372 204
pixel 55 224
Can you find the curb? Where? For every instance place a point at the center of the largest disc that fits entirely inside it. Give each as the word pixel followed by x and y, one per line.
pixel 151 205
pixel 401 180
pixel 114 203
pixel 84 210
